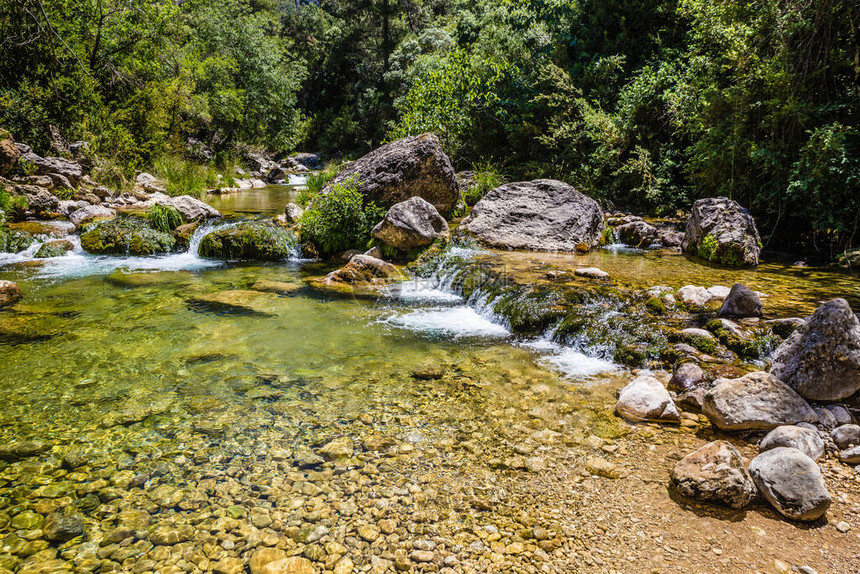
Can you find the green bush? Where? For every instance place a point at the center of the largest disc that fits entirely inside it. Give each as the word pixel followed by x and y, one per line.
pixel 487 178
pixel 65 193
pixel 317 181
pixel 164 217
pixel 340 219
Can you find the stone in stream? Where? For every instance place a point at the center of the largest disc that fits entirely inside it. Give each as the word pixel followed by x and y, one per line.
pixel 757 401
pixel 850 455
pixel 791 482
pixel 803 439
pixel 591 272
pixel 126 236
pixel 414 166
pixel 59 527
pixel 237 301
pixel 91 213
pixel 191 208
pixel 9 293
pixel 846 435
pixel 637 234
pixel 821 359
pixel 741 302
pixel 686 376
pixel 56 248
pixel 410 224
pixel 279 287
pixel 646 399
pixel 715 473
pixel 543 215
pixel 694 296
pixel 363 269
pixel 338 448
pixel 721 231
pixel 18 450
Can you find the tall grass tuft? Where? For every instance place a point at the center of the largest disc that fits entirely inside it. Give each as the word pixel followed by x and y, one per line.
pixel 487 178
pixel 184 177
pixel 317 181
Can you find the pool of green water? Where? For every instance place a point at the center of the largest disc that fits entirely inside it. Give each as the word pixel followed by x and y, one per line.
pixel 263 200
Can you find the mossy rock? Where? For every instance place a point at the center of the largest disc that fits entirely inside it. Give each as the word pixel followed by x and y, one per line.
pixel 14 241
pixel 250 241
pixel 655 306
pixel 54 249
pixel 127 236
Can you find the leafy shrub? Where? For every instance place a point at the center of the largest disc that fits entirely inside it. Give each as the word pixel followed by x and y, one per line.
pixel 317 181
pixel 340 219
pixel 164 217
pixel 708 248
pixel 65 193
pixel 487 178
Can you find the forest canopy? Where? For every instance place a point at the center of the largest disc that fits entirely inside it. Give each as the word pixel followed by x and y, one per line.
pixel 643 104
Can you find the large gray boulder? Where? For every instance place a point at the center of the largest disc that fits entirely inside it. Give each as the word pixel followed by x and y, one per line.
pixel 410 167
pixel 741 302
pixel 646 399
pixel 791 482
pixel 410 224
pixel 192 209
pixel 544 215
pixel 757 401
pixel 722 231
pixel 72 171
pixel 844 436
pixel 821 359
pixel 90 213
pixel 803 439
pixel 716 473
pixel 39 199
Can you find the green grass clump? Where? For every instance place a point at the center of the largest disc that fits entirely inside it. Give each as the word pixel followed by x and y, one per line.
pixel 316 182
pixel 708 248
pixel 487 178
pixel 164 217
pixel 65 193
pixel 340 219
pixel 183 177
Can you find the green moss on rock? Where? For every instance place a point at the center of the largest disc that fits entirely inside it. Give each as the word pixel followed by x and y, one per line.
pixel 126 236
pixel 14 241
pixel 250 241
pixel 54 249
pixel 655 306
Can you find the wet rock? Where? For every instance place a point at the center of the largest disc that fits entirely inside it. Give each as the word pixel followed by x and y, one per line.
pixel 846 435
pixel 410 167
pixel 279 287
pixel 686 376
pixel 411 224
pixel 637 234
pixel 719 292
pixel 27 520
pixel 721 231
pixel 368 532
pixel 169 535
pixel 306 458
pixel 821 359
pixel 126 236
pixel 229 566
pixel 826 420
pixel 40 201
pixel 339 448
pixel 9 293
pixel 645 399
pixel 715 473
pixel 592 272
pixel 544 215
pixel 841 414
pixel 251 241
pixel 741 302
pixel 91 213
pixel 19 450
pixel 755 401
pixel 149 183
pixel 791 482
pixel 850 455
pixel 61 527
pixel 364 269
pixel 56 248
pixel 293 213
pixel 694 296
pixel 805 440
pixel 191 208
pixel 602 467
pixel 237 301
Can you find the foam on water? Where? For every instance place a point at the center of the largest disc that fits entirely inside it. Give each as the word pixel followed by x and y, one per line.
pixel 296 179
pixel 570 362
pixel 456 322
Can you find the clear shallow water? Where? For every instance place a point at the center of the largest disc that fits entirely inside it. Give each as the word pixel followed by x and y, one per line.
pixel 263 200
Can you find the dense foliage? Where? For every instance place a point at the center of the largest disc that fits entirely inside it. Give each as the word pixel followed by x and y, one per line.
pixel 339 219
pixel 644 104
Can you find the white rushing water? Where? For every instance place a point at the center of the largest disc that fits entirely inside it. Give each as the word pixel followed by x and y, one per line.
pixel 441 312
pixel 78 263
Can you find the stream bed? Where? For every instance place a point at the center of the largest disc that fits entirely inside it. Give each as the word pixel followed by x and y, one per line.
pixel 409 432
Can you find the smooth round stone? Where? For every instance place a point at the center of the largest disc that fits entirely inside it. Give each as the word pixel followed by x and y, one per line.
pixel 27 520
